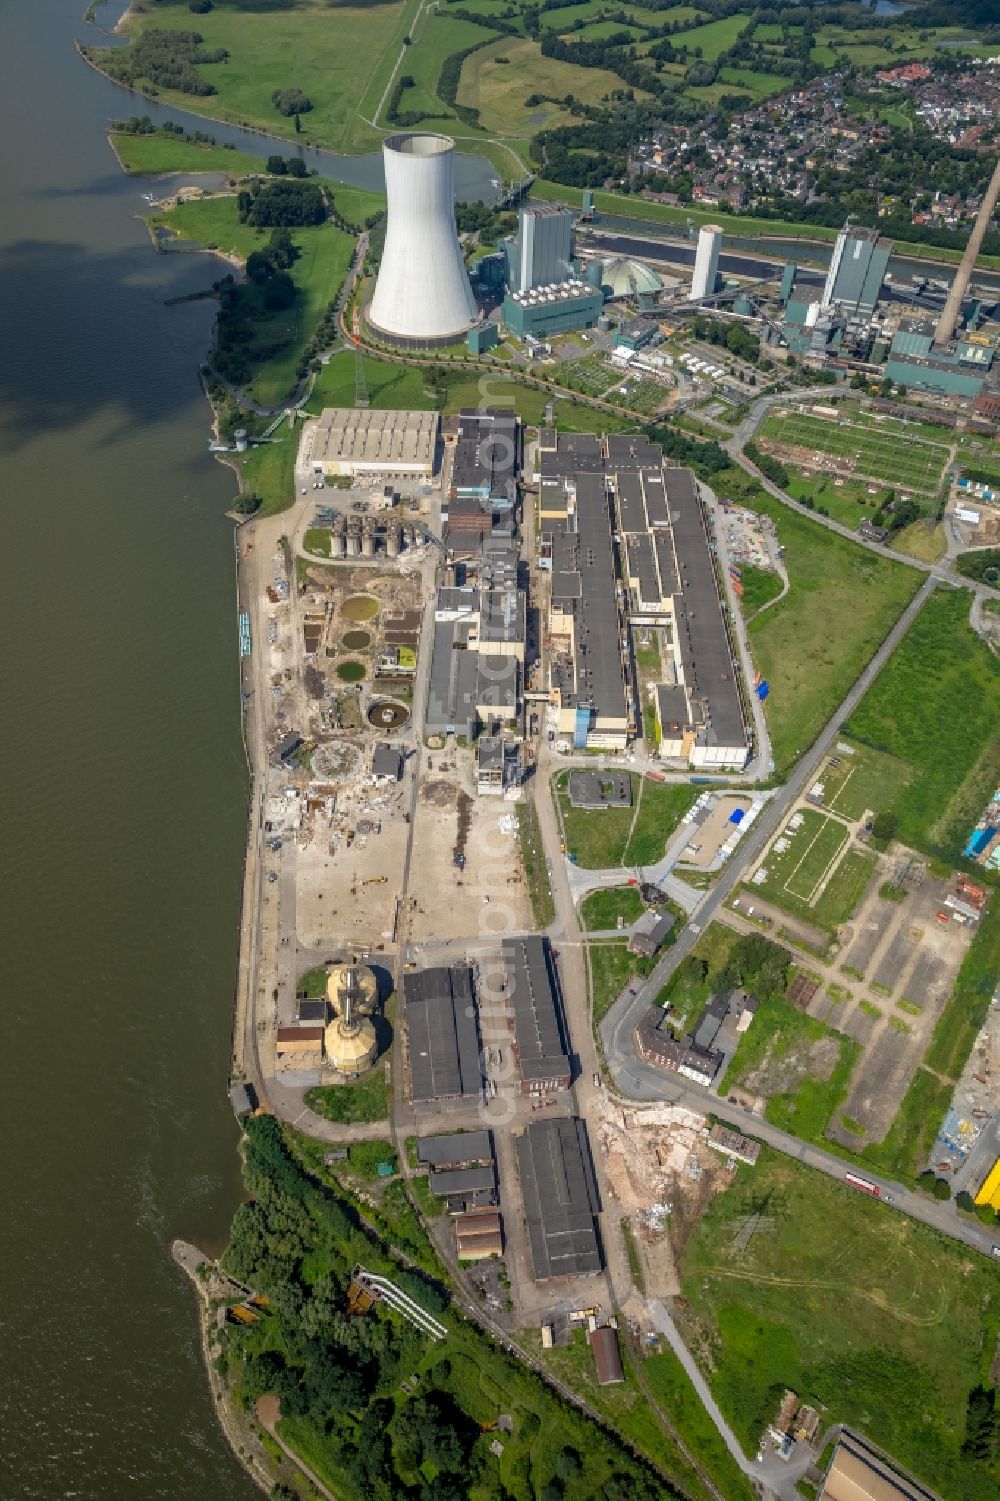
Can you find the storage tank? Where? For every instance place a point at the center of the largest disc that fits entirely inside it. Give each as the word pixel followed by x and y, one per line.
pixel 422 291
pixel 368 542
pixel 338 542
pixel 354 542
pixel 392 537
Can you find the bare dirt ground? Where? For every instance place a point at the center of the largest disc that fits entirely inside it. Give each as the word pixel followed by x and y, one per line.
pixel 451 816
pixel 782 1075
pixel 908 960
pixel 710 836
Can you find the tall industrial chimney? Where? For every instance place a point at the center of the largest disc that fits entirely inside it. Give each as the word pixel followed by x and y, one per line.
pixel 953 305
pixel 422 292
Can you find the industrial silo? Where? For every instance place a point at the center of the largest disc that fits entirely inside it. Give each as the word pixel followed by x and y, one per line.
pixel 422 293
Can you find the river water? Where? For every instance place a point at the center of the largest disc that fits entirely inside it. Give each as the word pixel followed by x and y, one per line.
pixel 123 793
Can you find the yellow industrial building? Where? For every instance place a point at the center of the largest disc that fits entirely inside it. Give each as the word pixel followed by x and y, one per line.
pixel 990 1191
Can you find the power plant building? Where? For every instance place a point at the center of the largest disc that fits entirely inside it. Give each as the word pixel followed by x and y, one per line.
pixel 547 311
pixel 541 253
pixel 706 262
pixel 422 295
pixel 857 270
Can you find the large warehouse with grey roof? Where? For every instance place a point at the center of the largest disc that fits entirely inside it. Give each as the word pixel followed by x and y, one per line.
pixel 560 1196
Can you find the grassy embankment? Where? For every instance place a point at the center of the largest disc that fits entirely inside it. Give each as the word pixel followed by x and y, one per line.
pixel 878 1321
pixel 811 645
pixel 164 152
pixel 935 707
pixel 279 337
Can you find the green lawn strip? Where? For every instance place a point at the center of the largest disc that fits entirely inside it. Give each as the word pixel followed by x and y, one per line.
pixel 602 909
pixel 269 471
pixel 777 1029
pixel 611 968
pixel 596 836
pixel 958 1025
pixel 875 1319
pixel 936 706
pixel 672 1388
pixel 661 808
pixel 163 151
pixel 760 586
pixel 366 1099
pixel 811 645
pixel 535 869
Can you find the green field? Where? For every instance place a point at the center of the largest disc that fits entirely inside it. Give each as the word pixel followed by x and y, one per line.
pixel 498 90
pixel 339 56
pixel 936 707
pixel 864 780
pixel 437 37
pixel 883 456
pixel 662 805
pixel 838 898
pixel 782 1037
pixel 611 968
pixel 812 850
pixel 278 338
pixel 763 84
pixel 269 471
pixel 812 644
pixel 597 837
pixel 760 586
pixel 163 151
pixel 366 1099
pixel 903 1151
pixel 602 909
pixel 716 37
pixel 873 1318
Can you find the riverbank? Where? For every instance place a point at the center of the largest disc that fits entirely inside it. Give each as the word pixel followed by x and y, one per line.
pixel 211 1289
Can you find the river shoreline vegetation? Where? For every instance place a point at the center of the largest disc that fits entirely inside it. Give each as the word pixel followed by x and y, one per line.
pixel 375 1408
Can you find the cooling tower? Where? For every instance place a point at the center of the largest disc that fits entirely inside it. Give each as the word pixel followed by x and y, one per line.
pixel 422 292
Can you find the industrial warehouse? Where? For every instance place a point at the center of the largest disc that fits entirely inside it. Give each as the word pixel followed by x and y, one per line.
pixel 561 1201
pixel 624 537
pixel 443 1035
pixel 368 444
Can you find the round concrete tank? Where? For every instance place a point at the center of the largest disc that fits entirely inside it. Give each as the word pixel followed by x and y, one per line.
pixel 353 544
pixel 392 541
pixel 338 542
pixel 423 290
pixel 368 542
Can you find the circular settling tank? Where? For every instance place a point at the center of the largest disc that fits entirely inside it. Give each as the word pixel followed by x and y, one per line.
pixel 357 640
pixel 350 671
pixel 360 607
pixel 386 715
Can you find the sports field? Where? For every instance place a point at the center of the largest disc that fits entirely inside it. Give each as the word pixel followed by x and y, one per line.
pixel 793 1279
pixel 804 854
pixel 861 779
pixel 882 454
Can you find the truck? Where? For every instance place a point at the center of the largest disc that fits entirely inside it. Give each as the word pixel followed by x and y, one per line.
pixel 865 1186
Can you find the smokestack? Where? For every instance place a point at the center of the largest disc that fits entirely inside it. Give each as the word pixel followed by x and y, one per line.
pixel 953 305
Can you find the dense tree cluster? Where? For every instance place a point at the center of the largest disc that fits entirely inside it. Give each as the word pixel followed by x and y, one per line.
pixel 272 204
pixel 289 102
pixel 168 59
pixel 770 467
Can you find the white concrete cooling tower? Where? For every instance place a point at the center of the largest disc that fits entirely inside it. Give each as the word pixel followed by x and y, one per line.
pixel 422 292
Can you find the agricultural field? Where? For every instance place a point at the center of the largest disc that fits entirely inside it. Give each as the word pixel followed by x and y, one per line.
pixel 936 707
pixel 877 454
pixel 498 90
pixel 812 644
pixel 716 37
pixel 436 37
pixel 882 1324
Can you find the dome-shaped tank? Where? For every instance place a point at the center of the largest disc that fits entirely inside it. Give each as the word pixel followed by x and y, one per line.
pixel 352 986
pixel 629 278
